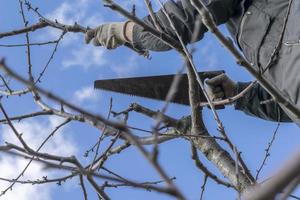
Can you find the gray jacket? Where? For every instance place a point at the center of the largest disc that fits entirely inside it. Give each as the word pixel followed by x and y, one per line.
pixel 255 25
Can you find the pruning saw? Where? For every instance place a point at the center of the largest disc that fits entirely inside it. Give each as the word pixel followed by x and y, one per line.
pixel 155 87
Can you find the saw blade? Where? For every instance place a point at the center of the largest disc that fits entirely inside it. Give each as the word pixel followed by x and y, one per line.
pixel 154 87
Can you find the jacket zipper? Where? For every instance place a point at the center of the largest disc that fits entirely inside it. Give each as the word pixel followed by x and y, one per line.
pixel 242 25
pixel 292 43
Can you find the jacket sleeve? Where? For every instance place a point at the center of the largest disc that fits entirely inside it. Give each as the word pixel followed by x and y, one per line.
pixel 184 16
pixel 251 104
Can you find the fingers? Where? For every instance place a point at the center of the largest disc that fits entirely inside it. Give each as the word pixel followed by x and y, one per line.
pixel 221 86
pixel 215 93
pixel 215 87
pixel 96 42
pixel 217 96
pixel 110 35
pixel 92 35
pixel 89 35
pixel 217 80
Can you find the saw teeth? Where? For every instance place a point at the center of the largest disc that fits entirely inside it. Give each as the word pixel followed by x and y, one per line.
pixel 152 87
pixel 132 95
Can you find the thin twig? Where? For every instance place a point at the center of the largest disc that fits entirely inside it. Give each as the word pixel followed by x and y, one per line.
pixel 267 152
pixel 21 117
pixel 231 100
pixel 5 84
pixel 83 187
pixel 102 135
pixel 39 25
pixel 28 52
pixel 203 187
pixel 31 44
pixel 44 180
pixel 51 58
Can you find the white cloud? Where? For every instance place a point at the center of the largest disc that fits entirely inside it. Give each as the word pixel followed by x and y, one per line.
pixel 65 13
pixel 10 168
pixel 79 11
pixel 76 52
pixel 82 55
pixel 34 132
pixel 126 68
pixel 85 56
pixel 94 20
pixel 86 94
pixel 70 12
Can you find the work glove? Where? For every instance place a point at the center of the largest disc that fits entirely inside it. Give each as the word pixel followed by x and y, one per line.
pixel 111 35
pixel 221 87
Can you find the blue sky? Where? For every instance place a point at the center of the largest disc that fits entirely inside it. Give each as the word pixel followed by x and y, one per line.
pixel 71 75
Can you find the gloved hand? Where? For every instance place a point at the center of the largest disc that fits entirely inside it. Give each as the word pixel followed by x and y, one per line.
pixel 221 87
pixel 111 35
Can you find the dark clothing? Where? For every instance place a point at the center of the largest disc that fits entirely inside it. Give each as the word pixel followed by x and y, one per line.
pixel 252 104
pixel 255 26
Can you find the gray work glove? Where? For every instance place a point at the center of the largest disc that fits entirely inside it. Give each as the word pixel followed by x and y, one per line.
pixel 111 35
pixel 221 87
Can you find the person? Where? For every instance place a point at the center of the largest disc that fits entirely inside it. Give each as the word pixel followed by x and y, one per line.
pixel 255 26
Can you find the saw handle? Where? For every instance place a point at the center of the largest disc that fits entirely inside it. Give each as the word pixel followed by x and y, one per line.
pixel 211 75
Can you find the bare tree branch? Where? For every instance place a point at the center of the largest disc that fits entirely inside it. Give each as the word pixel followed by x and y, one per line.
pixel 206 172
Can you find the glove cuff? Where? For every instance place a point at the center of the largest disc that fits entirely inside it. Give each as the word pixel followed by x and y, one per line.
pixel 243 101
pixel 126 32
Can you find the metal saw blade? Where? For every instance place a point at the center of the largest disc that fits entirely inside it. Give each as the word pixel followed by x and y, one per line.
pixel 153 87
